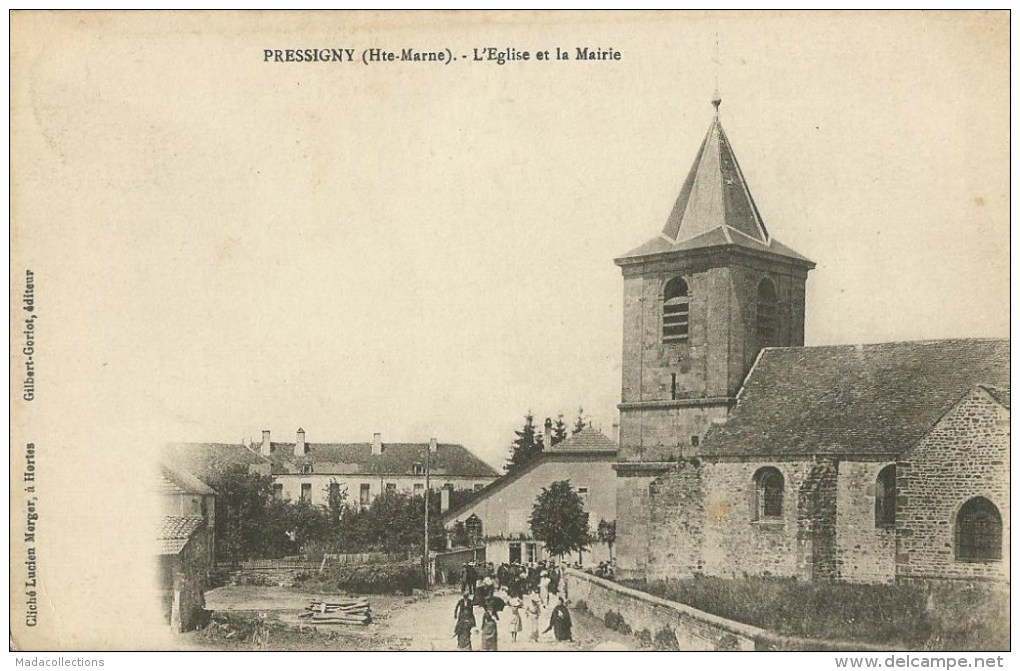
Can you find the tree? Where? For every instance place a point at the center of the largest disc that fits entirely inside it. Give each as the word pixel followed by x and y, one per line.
pixel 558 519
pixel 526 447
pixel 606 533
pixel 242 499
pixel 580 423
pixel 559 430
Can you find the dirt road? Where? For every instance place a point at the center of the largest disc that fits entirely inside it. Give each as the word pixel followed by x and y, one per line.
pixel 428 625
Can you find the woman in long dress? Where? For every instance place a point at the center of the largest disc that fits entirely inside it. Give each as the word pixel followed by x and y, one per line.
pixel 559 622
pixel 466 622
pixel 489 631
pixel 515 617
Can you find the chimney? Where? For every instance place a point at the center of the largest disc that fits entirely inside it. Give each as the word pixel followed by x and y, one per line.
pixel 616 432
pixel 548 433
pixel 299 444
pixel 444 499
pixel 267 447
pixel 433 445
pixel 376 443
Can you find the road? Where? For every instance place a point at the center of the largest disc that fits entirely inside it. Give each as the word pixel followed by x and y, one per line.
pixel 428 625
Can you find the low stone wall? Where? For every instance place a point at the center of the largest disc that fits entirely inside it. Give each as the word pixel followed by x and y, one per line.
pixel 694 629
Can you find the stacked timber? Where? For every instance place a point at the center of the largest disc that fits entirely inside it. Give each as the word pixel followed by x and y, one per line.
pixel 350 611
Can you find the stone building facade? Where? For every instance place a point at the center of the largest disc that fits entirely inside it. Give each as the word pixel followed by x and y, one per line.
pixel 742 452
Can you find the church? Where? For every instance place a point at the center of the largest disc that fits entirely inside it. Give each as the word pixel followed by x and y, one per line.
pixel 744 453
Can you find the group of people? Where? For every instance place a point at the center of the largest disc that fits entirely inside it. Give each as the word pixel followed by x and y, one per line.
pixel 532 587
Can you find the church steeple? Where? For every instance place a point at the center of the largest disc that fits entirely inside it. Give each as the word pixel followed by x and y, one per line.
pixel 701 299
pixel 714 207
pixel 715 196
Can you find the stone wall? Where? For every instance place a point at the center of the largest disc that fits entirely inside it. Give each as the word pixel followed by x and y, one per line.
pixel 964 456
pixel 694 629
pixel 632 526
pixel 865 552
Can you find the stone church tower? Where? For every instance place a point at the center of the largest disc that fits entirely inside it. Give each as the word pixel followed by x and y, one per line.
pixel 700 302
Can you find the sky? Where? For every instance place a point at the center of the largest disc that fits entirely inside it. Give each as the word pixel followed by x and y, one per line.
pixel 420 249
pixel 222 245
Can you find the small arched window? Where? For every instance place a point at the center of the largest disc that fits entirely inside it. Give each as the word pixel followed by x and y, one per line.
pixel 978 531
pixel 675 311
pixel 885 497
pixel 768 314
pixel 769 493
pixel 473 527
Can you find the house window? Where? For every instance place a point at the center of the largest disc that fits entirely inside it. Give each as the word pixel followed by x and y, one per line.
pixel 532 550
pixel 473 526
pixel 391 488
pixel 306 492
pixel 515 553
pixel 675 311
pixel 582 493
pixel 767 313
pixel 978 531
pixel 419 489
pixel 278 490
pixel 365 494
pixel 419 469
pixel 885 497
pixel 306 468
pixel 769 493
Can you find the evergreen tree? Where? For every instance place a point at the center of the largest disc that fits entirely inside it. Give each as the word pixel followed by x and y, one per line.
pixel 580 423
pixel 559 521
pixel 559 432
pixel 526 447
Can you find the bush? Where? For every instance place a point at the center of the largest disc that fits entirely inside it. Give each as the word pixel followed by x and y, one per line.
pixel 728 643
pixel 665 639
pixel 644 637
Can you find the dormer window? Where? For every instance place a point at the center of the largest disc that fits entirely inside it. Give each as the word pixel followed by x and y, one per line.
pixel 675 311
pixel 419 469
pixel 306 468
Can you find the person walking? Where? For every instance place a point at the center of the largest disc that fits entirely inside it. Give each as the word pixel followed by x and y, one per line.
pixel 559 622
pixel 515 617
pixel 490 633
pixel 533 611
pixel 543 589
pixel 466 622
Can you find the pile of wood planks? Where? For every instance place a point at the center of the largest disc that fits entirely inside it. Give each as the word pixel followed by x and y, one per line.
pixel 346 611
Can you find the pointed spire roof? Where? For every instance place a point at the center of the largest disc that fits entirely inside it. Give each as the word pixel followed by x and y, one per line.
pixel 715 207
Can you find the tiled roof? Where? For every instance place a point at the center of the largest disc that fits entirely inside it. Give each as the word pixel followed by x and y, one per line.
pixel 174 532
pixel 174 480
pixel 202 459
pixel 589 445
pixel 854 399
pixel 588 439
pixel 396 459
pixel 1000 394
pixel 714 208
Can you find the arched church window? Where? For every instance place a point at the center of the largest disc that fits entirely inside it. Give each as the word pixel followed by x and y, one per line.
pixel 768 313
pixel 769 490
pixel 675 311
pixel 885 497
pixel 978 531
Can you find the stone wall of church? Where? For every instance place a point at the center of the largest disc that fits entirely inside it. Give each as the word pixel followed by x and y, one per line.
pixel 866 552
pixel 964 456
pixel 632 525
pixel 702 519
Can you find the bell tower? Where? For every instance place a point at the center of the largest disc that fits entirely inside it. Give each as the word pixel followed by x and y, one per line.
pixel 700 301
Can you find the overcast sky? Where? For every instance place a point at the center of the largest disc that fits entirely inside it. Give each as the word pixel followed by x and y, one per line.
pixel 225 245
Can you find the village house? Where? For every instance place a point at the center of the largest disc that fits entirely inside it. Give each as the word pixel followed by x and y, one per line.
pixel 312 472
pixel 185 545
pixel 744 452
pixel 498 516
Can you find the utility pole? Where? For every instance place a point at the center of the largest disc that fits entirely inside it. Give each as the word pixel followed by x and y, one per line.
pixel 425 553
